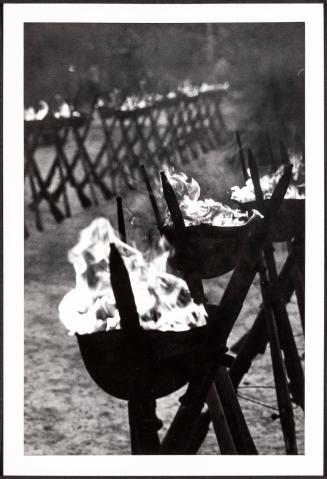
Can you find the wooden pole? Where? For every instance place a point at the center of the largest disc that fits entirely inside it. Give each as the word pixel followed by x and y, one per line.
pixel 173 206
pixel 256 339
pixel 143 421
pixel 191 277
pixel 234 414
pixel 282 392
pixel 292 360
pixel 142 405
pixel 220 425
pixel 121 220
pixel 242 157
pixel 153 200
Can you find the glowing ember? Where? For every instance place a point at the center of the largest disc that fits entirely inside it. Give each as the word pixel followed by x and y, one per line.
pixel 162 300
pixel 269 182
pixel 196 211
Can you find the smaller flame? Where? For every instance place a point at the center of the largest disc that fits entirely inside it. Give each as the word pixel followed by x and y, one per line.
pixel 30 114
pixel 196 211
pixel 188 89
pixel 64 111
pixel 134 102
pixel 269 182
pixel 100 102
pixel 42 111
pixel 162 300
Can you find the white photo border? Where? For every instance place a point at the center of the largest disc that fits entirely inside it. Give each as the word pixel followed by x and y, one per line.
pixel 15 462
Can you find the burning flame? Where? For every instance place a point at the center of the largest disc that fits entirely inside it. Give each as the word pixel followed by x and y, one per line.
pixel 30 114
pixel 196 211
pixel 188 89
pixel 269 182
pixel 63 111
pixel 140 101
pixel 162 300
pixel 143 100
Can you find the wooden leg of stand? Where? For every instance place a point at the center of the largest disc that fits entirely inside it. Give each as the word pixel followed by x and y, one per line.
pixel 298 276
pixel 234 414
pixel 255 343
pixel 183 425
pixel 134 439
pixel 38 218
pixel 195 286
pixel 220 425
pixel 300 294
pixel 256 339
pixel 291 356
pixel 143 427
pixel 282 391
pixel 199 434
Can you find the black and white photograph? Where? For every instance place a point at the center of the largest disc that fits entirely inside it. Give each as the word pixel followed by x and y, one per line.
pixel 169 260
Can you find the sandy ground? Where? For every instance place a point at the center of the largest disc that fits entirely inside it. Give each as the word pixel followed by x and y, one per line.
pixel 65 412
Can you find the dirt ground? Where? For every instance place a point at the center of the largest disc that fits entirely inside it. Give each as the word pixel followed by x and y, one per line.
pixel 65 412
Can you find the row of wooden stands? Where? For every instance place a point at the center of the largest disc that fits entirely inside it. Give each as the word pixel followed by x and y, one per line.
pixel 175 129
pixel 272 325
pixel 169 130
pixel 65 168
pixel 141 366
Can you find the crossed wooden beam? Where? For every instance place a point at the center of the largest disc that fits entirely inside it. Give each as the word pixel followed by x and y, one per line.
pixel 130 137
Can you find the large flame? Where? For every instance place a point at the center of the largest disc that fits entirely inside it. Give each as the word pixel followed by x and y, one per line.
pixel 162 300
pixel 269 182
pixel 195 210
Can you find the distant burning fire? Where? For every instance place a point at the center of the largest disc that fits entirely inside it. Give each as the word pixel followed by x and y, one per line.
pixel 269 182
pixel 188 89
pixel 143 100
pixel 196 211
pixel 163 300
pixel 63 110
